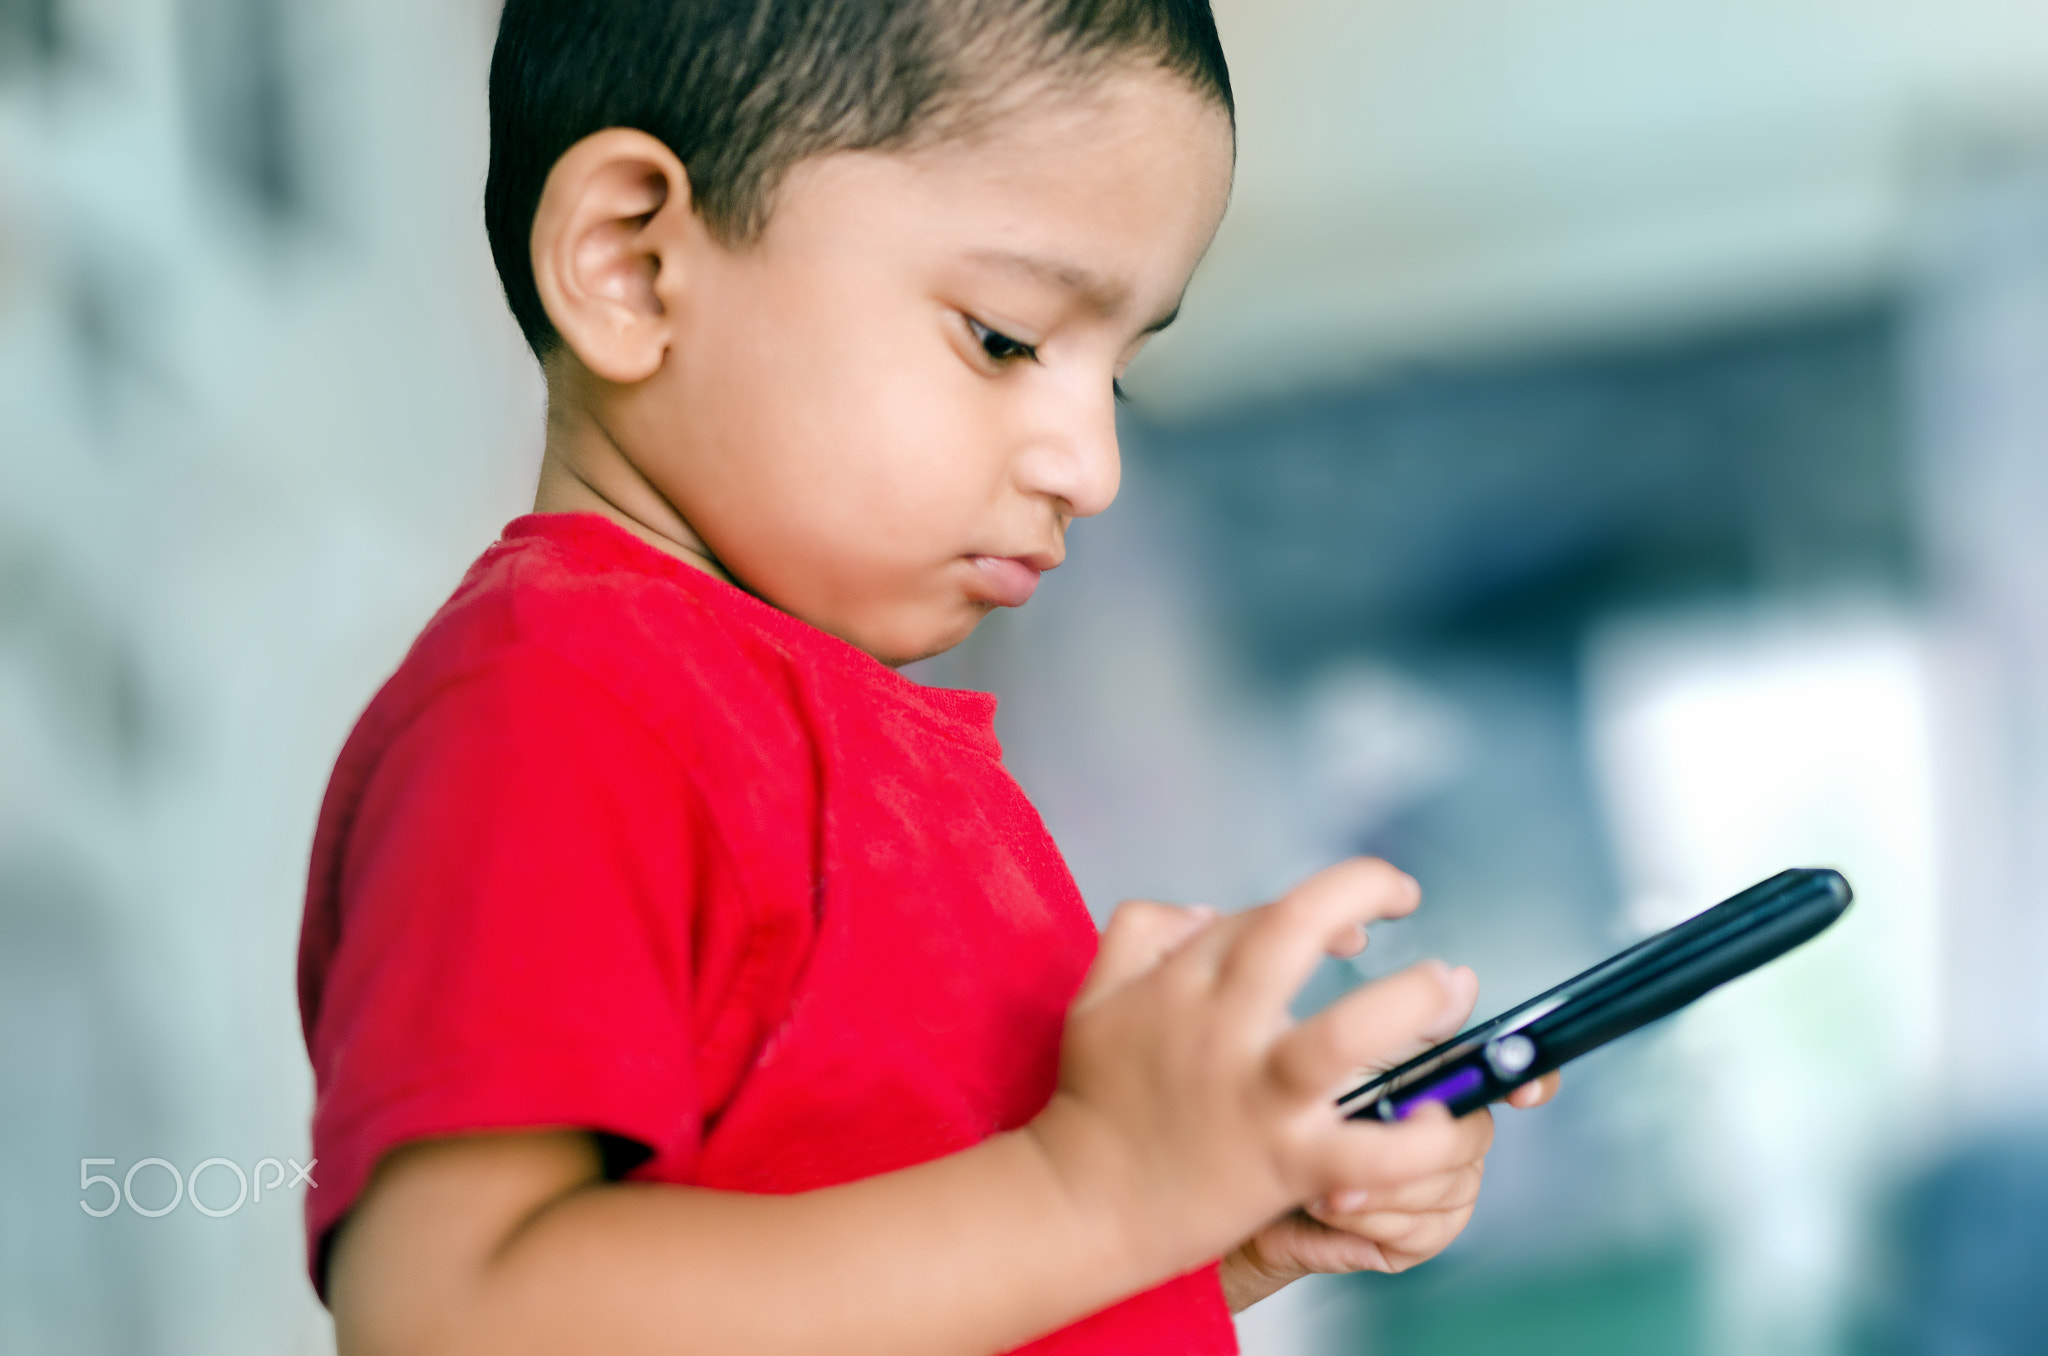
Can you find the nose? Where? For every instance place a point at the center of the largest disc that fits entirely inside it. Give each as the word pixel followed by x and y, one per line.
pixel 1075 459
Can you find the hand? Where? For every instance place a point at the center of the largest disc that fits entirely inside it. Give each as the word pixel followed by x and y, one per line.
pixel 1191 1109
pixel 1360 1231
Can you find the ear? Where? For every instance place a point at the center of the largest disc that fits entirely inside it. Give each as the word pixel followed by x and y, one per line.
pixel 609 240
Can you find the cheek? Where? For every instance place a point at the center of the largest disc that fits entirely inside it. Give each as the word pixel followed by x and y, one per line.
pixel 917 470
pixel 847 445
pixel 887 434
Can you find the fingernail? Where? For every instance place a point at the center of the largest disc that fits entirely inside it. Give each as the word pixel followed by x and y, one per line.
pixel 1346 1202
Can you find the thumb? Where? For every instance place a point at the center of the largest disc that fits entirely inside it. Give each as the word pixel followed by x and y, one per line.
pixel 1141 933
pixel 1374 1026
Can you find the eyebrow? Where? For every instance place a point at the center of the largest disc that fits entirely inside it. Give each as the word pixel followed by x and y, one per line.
pixel 1104 296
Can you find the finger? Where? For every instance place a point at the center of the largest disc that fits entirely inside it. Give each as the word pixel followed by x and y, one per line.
pixel 1405 1240
pixel 1536 1093
pixel 1310 1244
pixel 1373 1026
pixel 1464 993
pixel 1349 942
pixel 1463 986
pixel 1140 934
pixel 1451 1190
pixel 1360 1155
pixel 1261 962
pixel 1444 1191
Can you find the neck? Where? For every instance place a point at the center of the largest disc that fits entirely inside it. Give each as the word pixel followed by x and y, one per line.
pixel 583 469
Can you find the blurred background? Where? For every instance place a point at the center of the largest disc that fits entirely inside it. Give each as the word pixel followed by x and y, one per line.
pixel 1603 461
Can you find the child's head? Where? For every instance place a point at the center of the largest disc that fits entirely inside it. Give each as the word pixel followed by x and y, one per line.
pixel 834 293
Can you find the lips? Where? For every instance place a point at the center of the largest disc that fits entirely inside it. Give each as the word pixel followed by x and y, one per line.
pixel 1006 581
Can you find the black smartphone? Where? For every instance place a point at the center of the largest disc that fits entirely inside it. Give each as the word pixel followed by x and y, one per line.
pixel 1654 978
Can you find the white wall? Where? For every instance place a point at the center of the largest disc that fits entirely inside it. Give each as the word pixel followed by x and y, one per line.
pixel 240 462
pixel 1430 178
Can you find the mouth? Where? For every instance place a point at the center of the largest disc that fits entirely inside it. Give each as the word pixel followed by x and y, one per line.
pixel 1008 581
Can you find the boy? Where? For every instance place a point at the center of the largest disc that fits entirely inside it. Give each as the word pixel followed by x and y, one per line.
pixel 677 976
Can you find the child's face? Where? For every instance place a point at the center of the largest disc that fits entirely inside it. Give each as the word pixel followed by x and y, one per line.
pixel 882 415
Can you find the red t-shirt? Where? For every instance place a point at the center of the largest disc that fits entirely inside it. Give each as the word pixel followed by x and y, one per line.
pixel 621 847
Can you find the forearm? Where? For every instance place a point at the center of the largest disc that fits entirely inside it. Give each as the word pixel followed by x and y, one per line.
pixel 972 1253
pixel 1190 1113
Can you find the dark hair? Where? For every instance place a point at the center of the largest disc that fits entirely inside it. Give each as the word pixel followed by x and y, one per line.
pixel 741 90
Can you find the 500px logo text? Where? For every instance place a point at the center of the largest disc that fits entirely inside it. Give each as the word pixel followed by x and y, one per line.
pixel 184 1185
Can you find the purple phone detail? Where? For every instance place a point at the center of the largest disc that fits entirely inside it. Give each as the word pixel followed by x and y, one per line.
pixel 1457 1085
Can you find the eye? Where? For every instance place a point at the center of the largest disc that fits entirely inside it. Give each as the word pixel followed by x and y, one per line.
pixel 1000 347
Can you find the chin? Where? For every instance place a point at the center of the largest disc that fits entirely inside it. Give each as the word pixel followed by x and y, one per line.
pixel 935 640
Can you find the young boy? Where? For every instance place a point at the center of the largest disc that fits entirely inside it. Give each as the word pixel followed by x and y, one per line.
pixel 677 976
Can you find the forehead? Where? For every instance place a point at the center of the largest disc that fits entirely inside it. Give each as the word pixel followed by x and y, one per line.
pixel 1089 188
pixel 1094 141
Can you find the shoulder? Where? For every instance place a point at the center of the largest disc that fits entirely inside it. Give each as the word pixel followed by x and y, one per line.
pixel 577 604
pixel 570 682
pixel 573 640
pixel 594 600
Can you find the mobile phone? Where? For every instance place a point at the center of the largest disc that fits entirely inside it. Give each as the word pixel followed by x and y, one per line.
pixel 1654 978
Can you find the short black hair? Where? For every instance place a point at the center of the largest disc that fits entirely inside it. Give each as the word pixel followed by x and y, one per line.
pixel 741 90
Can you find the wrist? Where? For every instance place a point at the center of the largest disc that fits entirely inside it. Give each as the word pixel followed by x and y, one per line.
pixel 1100 1183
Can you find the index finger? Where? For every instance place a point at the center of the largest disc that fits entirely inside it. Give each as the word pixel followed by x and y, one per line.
pixel 1269 954
pixel 1372 1027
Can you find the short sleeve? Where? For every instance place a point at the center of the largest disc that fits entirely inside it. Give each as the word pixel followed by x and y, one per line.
pixel 512 932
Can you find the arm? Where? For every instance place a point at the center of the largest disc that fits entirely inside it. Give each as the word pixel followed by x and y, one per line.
pixel 512 1243
pixel 1190 1112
